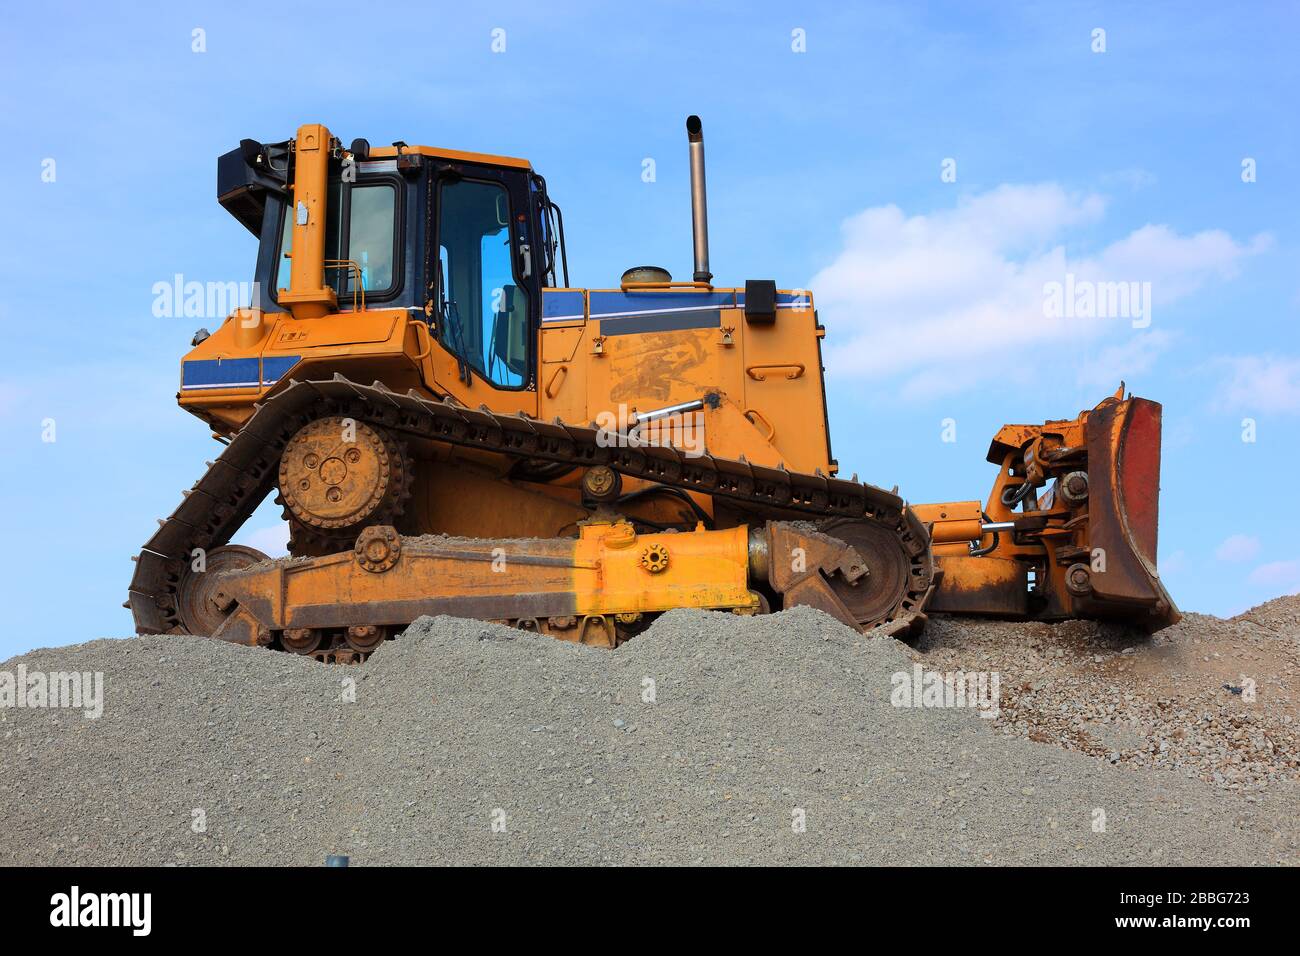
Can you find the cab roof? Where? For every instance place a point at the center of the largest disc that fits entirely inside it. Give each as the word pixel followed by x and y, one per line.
pixel 385 152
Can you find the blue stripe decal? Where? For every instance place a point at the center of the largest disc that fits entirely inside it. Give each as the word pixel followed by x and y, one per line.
pixel 619 304
pixel 219 373
pixel 275 368
pixel 648 310
pixel 563 306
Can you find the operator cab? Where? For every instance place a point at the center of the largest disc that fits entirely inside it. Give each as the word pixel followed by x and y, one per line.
pixel 464 242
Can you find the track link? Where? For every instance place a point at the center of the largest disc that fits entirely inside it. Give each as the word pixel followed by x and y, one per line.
pixel 238 481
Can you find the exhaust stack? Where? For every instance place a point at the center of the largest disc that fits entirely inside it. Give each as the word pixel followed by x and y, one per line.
pixel 699 201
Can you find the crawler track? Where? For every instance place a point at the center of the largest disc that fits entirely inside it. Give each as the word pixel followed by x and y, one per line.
pixel 238 481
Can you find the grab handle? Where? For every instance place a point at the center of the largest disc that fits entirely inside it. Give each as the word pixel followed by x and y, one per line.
pixel 754 413
pixel 756 371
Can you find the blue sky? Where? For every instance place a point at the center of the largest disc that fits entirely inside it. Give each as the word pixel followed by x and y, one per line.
pixel 824 172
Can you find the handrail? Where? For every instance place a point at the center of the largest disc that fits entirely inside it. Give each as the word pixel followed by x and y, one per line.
pixel 428 349
pixel 754 370
pixel 354 271
pixel 672 284
pixel 556 380
pixel 752 413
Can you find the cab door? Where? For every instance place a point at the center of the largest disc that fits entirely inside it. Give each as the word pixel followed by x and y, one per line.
pixel 485 289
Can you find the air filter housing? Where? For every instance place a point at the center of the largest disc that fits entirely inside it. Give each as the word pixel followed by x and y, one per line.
pixel 643 274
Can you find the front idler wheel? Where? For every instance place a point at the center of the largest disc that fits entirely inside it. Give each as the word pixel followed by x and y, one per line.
pixel 202 604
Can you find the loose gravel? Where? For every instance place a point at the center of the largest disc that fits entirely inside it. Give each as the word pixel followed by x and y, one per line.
pixel 708 739
pixel 1207 698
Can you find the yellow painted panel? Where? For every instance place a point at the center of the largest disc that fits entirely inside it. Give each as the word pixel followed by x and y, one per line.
pixel 783 386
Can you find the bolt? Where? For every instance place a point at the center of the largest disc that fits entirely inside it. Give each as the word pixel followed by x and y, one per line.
pixel 222 601
pixel 1074 487
pixel 1079 580
pixel 601 482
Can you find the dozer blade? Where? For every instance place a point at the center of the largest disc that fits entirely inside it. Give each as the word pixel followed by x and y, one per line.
pixel 1124 503
pixel 1070 527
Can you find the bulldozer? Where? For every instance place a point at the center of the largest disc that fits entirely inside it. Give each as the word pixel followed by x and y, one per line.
pixel 450 427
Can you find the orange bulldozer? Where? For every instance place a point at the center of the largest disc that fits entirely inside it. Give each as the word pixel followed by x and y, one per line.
pixel 451 428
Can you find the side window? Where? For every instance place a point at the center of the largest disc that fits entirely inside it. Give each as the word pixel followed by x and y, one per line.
pixel 282 265
pixel 485 313
pixel 370 237
pixel 371 210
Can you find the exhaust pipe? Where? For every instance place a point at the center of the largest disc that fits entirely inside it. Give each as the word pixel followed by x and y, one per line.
pixel 699 202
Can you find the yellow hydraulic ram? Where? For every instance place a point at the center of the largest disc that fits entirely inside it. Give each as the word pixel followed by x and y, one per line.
pixel 308 296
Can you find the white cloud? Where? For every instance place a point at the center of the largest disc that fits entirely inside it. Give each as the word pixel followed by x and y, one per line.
pixel 939 298
pixel 1175 265
pixel 1238 547
pixel 1283 575
pixel 1124 361
pixel 1261 383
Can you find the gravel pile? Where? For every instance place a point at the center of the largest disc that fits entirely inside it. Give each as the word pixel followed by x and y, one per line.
pixel 708 739
pixel 1208 698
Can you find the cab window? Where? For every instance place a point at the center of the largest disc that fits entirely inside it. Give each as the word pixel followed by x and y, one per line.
pixel 484 310
pixel 370 211
pixel 370 237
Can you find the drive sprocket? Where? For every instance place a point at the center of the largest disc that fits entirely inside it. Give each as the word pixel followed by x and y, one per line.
pixel 338 475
